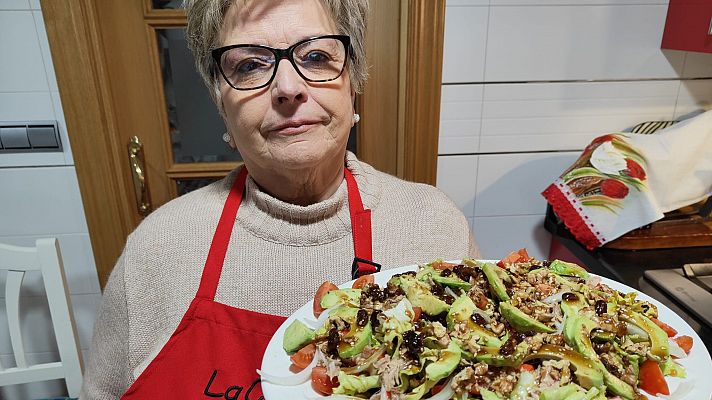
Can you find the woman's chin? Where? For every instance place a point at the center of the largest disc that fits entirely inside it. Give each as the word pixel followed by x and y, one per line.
pixel 301 156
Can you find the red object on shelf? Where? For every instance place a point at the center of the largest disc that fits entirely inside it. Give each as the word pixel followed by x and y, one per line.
pixel 688 26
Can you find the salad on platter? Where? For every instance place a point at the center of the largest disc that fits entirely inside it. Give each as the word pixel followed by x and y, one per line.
pixel 516 329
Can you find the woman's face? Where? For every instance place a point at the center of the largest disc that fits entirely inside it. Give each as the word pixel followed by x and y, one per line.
pixel 290 124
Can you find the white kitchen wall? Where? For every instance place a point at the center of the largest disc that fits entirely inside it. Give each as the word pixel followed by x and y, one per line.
pixel 39 196
pixel 528 83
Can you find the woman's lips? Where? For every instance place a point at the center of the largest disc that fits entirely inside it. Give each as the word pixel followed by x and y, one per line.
pixel 294 127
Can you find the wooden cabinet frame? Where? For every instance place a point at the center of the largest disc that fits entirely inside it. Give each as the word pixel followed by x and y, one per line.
pixel 400 108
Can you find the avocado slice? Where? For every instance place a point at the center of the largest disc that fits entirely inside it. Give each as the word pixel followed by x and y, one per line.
pixel 658 338
pixel 461 311
pixel 495 280
pixel 566 268
pixel 587 374
pixel 572 307
pixel 341 296
pixel 600 336
pixel 296 336
pixel 521 321
pixel 355 340
pixel 452 281
pixel 426 357
pixel 347 314
pixel 419 296
pixel 577 332
pixel 492 356
pixel 420 391
pixel 445 364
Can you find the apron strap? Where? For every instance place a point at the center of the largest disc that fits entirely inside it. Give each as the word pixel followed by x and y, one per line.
pixel 361 230
pixel 221 239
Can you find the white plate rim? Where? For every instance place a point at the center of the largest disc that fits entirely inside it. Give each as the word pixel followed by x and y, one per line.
pixel 277 362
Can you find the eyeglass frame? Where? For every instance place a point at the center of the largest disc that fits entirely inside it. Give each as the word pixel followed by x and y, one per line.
pixel 280 54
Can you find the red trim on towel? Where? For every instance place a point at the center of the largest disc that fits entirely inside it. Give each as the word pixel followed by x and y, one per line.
pixel 572 219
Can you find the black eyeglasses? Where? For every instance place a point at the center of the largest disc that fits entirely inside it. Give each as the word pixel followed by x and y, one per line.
pixel 252 66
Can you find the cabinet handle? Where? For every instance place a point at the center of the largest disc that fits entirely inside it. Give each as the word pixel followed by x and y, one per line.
pixel 138 173
pixel 709 31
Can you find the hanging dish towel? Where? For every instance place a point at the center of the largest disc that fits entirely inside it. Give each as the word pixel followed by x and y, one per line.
pixel 623 181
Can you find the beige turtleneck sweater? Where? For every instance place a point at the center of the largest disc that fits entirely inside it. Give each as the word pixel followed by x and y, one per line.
pixel 279 253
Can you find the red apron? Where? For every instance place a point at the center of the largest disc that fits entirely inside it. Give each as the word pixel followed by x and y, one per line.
pixel 216 349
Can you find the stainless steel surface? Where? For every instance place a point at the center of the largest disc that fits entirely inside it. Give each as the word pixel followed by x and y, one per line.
pixel 696 299
pixel 702 269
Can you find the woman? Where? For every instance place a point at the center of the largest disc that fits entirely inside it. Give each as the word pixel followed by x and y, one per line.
pixel 308 210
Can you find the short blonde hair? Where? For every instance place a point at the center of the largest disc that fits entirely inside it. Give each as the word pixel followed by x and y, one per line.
pixel 205 19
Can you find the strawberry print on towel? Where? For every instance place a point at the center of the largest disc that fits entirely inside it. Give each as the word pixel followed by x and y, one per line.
pixel 605 193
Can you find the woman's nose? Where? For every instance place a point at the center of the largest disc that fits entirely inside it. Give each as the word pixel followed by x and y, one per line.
pixel 288 86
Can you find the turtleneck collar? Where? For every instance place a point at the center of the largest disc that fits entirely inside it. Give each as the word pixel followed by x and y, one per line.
pixel 280 222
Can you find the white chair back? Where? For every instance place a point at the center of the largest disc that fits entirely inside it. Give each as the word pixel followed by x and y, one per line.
pixel 46 258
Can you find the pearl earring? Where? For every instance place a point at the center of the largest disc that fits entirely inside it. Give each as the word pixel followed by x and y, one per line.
pixel 357 118
pixel 226 137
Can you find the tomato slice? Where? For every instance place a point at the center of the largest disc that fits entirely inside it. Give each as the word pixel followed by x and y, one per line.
pixel 417 311
pixel 685 343
pixel 321 381
pixel 667 328
pixel 325 288
pixel 482 301
pixel 304 356
pixel 362 281
pixel 652 379
pixel 441 265
pixel 526 367
pixel 520 255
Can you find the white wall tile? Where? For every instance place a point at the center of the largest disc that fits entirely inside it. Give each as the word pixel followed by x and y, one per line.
pixel 457 178
pixel 32 159
pixel 44 47
pixel 35 106
pixel 466 3
pixel 41 201
pixel 464 44
pixel 14 5
pixel 578 42
pixel 460 119
pixel 697 65
pixel 566 116
pixel 499 236
pixel 86 307
pixel 510 184
pixel 22 69
pixel 572 2
pixel 694 95
pixel 79 266
pixel 35 390
pixel 20 106
pixel 36 323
